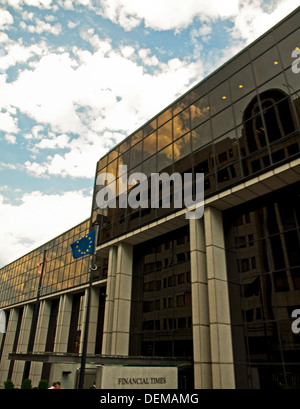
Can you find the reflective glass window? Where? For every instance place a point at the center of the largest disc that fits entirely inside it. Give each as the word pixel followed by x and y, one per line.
pixel 164 117
pixel 181 123
pixel 202 135
pixel 219 98
pixel 222 122
pixel 241 83
pixel 246 108
pixel 165 158
pixel 164 135
pixel 199 111
pixel 182 147
pixel 287 46
pixel 275 89
pixel 266 66
pixel 136 137
pixel 136 154
pixel 287 26
pixel 261 45
pixel 149 145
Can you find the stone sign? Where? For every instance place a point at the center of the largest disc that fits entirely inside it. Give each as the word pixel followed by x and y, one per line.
pixel 136 377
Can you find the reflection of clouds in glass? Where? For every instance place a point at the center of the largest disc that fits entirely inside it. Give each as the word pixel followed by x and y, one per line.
pixel 182 147
pixel 164 135
pixel 181 123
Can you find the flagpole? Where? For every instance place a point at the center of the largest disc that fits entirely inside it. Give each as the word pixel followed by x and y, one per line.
pixel 87 316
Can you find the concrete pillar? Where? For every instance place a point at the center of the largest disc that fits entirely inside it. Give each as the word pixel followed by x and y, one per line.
pixel 93 320
pixel 219 311
pixel 8 344
pixel 200 307
pixel 63 323
pixel 122 307
pixel 40 340
pixel 23 344
pixel 109 301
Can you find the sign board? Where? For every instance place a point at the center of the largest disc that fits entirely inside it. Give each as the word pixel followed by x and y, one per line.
pixel 136 377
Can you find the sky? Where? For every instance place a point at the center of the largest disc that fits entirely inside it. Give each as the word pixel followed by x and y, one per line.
pixel 78 76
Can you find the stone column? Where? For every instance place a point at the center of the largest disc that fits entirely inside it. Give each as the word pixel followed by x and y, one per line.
pixel 109 301
pixel 63 323
pixel 122 305
pixel 93 320
pixel 219 311
pixel 200 307
pixel 40 340
pixel 11 327
pixel 23 343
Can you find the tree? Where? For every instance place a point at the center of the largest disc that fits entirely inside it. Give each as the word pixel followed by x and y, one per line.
pixel 8 384
pixel 26 384
pixel 43 384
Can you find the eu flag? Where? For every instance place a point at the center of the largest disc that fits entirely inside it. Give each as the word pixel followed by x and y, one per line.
pixel 83 246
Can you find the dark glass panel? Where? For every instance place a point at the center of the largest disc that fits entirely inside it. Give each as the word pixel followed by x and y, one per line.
pixel 266 66
pixel 161 323
pixel 264 292
pixel 275 89
pixel 241 83
pixel 287 26
pixel 293 86
pixel 202 135
pixel 261 46
pixel 219 98
pixel 286 47
pixel 222 122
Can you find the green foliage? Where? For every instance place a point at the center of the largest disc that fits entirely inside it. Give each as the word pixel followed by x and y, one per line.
pixel 26 384
pixel 43 384
pixel 8 384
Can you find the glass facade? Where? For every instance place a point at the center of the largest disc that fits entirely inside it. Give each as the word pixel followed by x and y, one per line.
pixel 161 324
pixel 263 264
pixel 239 122
pixel 19 280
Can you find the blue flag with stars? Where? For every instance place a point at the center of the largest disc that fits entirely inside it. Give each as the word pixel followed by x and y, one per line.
pixel 83 246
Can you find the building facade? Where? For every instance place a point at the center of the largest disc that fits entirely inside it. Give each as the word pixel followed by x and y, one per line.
pixel 212 297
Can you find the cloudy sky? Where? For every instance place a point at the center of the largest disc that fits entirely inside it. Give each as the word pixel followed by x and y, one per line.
pixel 77 76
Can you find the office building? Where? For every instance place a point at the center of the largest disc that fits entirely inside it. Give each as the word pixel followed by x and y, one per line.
pixel 212 297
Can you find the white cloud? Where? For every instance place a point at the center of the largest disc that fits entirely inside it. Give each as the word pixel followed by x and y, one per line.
pixel 6 19
pixel 167 14
pixel 22 233
pixel 16 52
pixel 11 138
pixel 253 19
pixel 8 123
pixel 18 4
pixel 40 27
pixel 60 142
